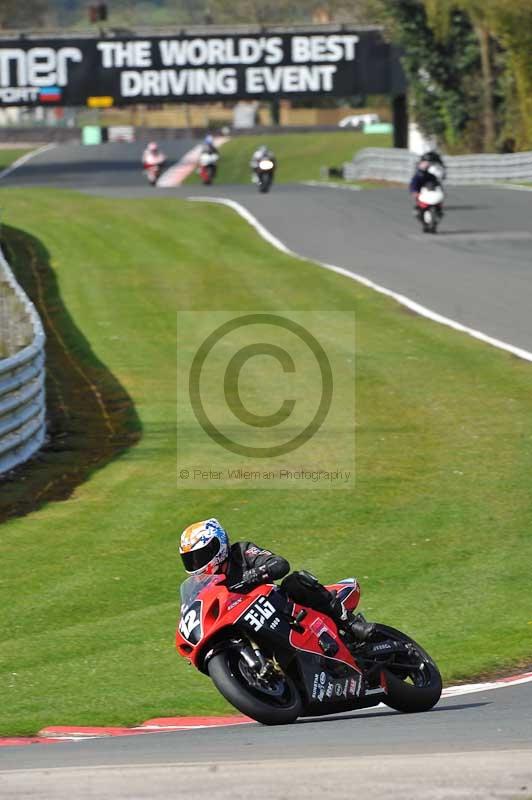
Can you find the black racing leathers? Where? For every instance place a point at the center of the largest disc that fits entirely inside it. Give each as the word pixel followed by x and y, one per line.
pixel 254 565
pixel 245 556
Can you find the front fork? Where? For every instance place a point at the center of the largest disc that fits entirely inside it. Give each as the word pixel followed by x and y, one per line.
pixel 255 660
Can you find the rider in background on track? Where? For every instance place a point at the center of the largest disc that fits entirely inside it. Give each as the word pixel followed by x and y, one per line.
pixel 152 156
pixel 262 152
pixel 422 178
pixel 209 147
pixel 436 164
pixel 205 550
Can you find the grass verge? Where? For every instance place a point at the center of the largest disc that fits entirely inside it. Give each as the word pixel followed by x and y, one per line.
pixel 299 155
pixel 8 155
pixel 91 418
pixel 437 529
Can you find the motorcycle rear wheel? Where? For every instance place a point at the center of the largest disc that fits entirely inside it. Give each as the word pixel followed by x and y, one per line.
pixel 225 671
pixel 409 690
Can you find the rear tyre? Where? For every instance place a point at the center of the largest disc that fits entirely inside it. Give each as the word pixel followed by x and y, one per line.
pixel 414 683
pixel 280 706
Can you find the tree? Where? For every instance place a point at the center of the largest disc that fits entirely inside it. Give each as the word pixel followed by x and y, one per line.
pixel 512 24
pixel 261 12
pixel 442 71
pixel 504 30
pixel 28 14
pixel 480 13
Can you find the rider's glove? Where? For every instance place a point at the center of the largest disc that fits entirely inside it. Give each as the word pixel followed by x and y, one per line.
pixel 255 576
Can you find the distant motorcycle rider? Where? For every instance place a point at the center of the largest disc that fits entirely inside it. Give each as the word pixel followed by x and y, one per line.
pixel 209 147
pixel 436 164
pixel 423 178
pixel 152 156
pixel 261 153
pixel 205 550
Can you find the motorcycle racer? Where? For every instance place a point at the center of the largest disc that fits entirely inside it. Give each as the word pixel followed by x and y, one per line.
pixel 152 156
pixel 208 146
pixel 436 164
pixel 423 178
pixel 205 550
pixel 260 153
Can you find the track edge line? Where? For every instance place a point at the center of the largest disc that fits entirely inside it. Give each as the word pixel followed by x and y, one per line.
pixel 412 305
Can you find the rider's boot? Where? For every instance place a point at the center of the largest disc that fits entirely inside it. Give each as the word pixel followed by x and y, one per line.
pixel 353 624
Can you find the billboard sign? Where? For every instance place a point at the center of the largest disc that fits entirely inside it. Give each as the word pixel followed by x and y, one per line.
pixel 77 72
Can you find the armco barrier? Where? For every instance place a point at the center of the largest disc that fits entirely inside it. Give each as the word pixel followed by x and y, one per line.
pixel 392 164
pixel 22 396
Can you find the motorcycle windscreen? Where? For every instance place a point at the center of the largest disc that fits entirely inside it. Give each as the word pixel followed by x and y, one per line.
pixel 191 587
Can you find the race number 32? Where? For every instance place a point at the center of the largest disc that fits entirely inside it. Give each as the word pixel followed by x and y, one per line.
pixel 188 623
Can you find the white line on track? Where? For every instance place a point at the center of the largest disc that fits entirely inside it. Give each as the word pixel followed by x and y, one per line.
pixel 501 683
pixel 22 160
pixel 400 298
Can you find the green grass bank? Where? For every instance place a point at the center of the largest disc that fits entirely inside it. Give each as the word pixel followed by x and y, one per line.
pixel 437 528
pixel 299 155
pixel 10 154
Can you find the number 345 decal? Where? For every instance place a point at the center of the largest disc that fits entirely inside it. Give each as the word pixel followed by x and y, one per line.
pixel 190 623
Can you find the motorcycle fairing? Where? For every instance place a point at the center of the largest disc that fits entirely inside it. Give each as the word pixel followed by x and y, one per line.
pixel 348 591
pixel 191 622
pixel 334 681
pixel 218 613
pixel 330 685
pixel 267 614
pixel 430 197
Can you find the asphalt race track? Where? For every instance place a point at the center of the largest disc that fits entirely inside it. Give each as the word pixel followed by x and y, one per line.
pixel 79 167
pixel 475 746
pixel 478 271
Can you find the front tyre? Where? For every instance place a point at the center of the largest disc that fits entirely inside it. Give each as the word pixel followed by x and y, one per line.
pixel 273 701
pixel 412 680
pixel 265 182
pixel 430 222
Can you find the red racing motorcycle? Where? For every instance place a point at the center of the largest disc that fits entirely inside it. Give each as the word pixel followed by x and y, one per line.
pixel 275 660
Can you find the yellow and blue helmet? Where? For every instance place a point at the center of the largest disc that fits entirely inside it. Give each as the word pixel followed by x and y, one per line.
pixel 204 547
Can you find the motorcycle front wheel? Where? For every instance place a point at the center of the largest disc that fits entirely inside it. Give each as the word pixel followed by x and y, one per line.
pixel 265 182
pixel 430 223
pixel 412 681
pixel 274 700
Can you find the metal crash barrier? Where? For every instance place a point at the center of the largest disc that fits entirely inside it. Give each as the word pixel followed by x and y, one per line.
pixel 392 164
pixel 22 374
